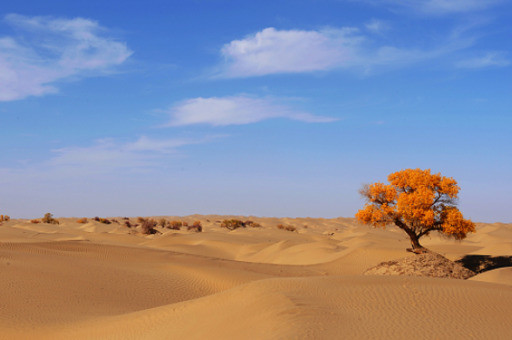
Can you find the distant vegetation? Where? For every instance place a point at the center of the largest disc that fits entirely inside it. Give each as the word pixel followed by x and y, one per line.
pixel 48 218
pixel 148 226
pixel 196 226
pixel 102 220
pixel 4 218
pixel 82 220
pixel 233 224
pixel 286 227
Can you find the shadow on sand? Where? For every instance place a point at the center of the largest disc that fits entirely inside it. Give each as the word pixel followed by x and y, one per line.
pixel 483 263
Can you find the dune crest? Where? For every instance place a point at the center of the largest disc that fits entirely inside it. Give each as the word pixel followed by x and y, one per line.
pixel 97 280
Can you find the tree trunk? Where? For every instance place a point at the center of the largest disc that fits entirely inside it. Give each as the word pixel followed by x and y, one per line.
pixel 416 246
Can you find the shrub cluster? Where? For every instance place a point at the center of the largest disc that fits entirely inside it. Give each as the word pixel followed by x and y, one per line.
pixel 196 226
pixel 102 220
pixel 235 224
pixel 4 218
pixel 48 218
pixel 175 225
pixel 286 227
pixel 148 226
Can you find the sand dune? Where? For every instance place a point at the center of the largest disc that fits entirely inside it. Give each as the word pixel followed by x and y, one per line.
pixel 95 280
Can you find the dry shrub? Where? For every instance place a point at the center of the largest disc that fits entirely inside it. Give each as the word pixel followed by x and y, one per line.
pixel 141 219
pixel 185 224
pixel 82 220
pixel 163 222
pixel 235 224
pixel 196 226
pixel 232 224
pixel 148 226
pixel 252 224
pixel 4 218
pixel 35 221
pixel 102 220
pixel 175 225
pixel 128 224
pixel 48 218
pixel 286 227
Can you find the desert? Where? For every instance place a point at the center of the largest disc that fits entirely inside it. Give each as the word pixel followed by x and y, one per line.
pixel 92 280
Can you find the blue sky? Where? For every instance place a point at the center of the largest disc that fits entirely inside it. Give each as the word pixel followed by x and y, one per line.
pixel 270 108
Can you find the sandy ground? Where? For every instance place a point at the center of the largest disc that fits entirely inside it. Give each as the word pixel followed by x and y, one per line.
pixel 97 281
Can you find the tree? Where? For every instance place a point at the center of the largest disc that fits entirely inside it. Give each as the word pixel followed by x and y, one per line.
pixel 417 202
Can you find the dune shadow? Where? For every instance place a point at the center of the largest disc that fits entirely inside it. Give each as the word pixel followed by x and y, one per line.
pixel 483 263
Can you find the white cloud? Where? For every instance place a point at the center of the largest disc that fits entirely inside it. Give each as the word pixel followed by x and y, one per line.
pixel 235 110
pixel 439 7
pixel 490 59
pixel 289 51
pixel 272 51
pixel 50 50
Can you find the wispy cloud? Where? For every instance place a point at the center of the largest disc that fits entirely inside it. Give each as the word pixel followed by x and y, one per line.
pixel 106 155
pixel 48 50
pixel 272 51
pixel 235 110
pixel 490 59
pixel 439 7
pixel 376 26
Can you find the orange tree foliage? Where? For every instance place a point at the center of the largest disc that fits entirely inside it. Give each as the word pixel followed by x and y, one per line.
pixel 418 202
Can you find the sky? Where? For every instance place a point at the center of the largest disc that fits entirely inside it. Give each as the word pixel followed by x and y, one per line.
pixel 267 108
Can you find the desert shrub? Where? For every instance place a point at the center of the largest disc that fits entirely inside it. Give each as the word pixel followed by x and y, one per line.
pixel 148 226
pixel 235 224
pixel 252 224
pixel 232 224
pixel 185 224
pixel 286 227
pixel 48 218
pixel 35 221
pixel 102 220
pixel 4 218
pixel 82 220
pixel 128 224
pixel 163 222
pixel 176 225
pixel 196 226
pixel 141 219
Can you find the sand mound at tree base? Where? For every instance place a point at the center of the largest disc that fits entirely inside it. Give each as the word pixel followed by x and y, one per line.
pixel 428 264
